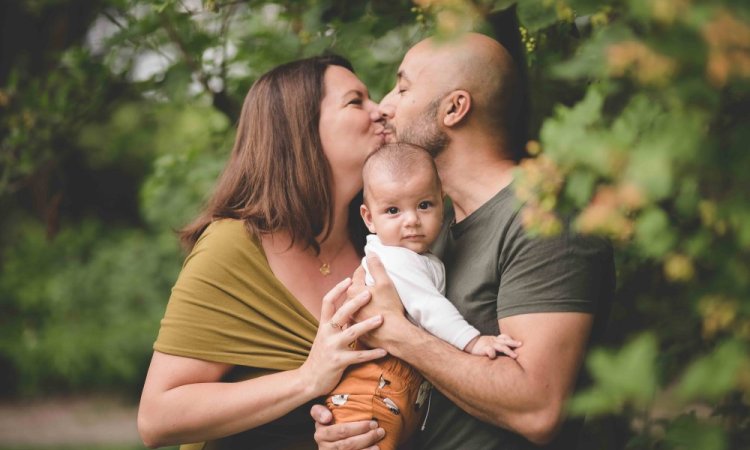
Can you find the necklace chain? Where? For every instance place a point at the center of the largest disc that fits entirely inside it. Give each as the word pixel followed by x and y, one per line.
pixel 325 267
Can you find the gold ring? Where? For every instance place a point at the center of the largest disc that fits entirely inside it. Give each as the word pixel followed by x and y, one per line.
pixel 335 325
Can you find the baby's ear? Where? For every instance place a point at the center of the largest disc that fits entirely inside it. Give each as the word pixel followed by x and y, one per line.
pixel 367 217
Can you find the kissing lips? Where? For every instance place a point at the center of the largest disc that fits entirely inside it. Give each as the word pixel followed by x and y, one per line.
pixel 388 133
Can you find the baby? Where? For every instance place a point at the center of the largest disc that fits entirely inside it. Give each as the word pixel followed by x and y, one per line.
pixel 403 208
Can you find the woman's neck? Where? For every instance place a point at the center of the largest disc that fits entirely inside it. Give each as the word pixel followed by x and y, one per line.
pixel 337 237
pixel 339 231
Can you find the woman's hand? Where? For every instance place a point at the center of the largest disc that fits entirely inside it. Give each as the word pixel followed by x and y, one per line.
pixel 331 351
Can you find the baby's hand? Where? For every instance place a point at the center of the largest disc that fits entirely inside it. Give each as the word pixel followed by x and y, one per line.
pixel 491 345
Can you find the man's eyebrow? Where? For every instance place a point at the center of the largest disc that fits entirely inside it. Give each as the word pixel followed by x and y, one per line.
pixel 401 75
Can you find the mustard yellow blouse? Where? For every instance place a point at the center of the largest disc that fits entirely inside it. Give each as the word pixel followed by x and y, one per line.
pixel 227 306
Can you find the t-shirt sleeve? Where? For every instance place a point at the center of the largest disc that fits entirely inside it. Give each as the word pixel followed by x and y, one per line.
pixel 415 280
pixel 565 273
pixel 227 306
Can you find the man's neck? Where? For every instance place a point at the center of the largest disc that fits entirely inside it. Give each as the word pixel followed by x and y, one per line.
pixel 471 178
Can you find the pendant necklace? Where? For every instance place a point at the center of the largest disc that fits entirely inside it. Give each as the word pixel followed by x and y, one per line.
pixel 325 267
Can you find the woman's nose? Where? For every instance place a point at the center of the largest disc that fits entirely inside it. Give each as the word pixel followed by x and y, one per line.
pixel 387 105
pixel 373 109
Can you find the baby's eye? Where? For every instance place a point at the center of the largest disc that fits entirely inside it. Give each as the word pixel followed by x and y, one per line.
pixel 424 205
pixel 391 210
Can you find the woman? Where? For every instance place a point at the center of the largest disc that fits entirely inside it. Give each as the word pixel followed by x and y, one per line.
pixel 240 355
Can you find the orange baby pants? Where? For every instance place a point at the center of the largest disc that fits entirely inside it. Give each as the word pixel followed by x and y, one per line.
pixel 388 391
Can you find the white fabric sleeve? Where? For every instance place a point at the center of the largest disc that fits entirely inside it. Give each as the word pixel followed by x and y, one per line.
pixel 417 285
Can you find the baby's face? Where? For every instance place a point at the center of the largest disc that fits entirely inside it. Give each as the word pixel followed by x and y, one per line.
pixel 404 213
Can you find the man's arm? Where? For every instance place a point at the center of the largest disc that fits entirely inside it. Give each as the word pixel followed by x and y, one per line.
pixel 412 276
pixel 525 395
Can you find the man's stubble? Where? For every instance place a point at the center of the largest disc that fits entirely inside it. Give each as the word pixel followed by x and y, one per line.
pixel 425 132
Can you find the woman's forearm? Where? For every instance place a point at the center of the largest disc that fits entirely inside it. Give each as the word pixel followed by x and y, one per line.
pixel 202 411
pixel 184 401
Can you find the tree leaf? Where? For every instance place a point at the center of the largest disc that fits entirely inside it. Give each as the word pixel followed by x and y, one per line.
pixel 536 14
pixel 624 376
pixel 653 234
pixel 713 375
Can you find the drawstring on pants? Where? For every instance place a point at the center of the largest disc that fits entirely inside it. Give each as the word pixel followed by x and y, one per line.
pixel 427 413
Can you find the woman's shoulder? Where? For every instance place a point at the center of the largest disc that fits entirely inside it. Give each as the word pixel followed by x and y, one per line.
pixel 226 231
pixel 227 239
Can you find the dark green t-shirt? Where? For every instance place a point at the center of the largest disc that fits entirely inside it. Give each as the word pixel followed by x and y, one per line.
pixel 494 269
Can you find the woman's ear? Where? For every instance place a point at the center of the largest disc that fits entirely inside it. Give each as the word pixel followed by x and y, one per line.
pixel 458 104
pixel 367 217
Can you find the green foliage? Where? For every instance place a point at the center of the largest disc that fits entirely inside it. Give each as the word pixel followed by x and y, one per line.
pixel 537 14
pixel 42 113
pixel 714 375
pixel 190 173
pixel 689 433
pixel 624 377
pixel 89 304
pixel 648 157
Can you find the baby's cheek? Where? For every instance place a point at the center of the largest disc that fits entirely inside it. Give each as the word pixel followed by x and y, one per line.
pixel 389 237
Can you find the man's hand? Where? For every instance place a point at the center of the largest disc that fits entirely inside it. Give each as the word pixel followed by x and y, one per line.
pixel 360 435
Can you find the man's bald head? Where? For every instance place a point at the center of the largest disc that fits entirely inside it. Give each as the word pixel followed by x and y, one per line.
pixel 479 65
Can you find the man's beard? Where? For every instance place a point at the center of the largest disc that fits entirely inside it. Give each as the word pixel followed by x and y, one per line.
pixel 424 131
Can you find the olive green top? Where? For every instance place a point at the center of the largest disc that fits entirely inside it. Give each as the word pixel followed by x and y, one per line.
pixel 495 269
pixel 227 306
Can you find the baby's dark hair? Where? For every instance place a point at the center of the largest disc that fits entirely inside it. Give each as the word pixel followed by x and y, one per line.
pixel 399 160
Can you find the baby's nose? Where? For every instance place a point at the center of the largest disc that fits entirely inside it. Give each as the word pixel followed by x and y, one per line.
pixel 412 219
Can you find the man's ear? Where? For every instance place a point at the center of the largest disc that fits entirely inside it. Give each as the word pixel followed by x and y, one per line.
pixel 367 217
pixel 457 106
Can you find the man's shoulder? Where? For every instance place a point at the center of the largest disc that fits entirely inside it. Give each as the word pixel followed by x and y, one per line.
pixel 507 215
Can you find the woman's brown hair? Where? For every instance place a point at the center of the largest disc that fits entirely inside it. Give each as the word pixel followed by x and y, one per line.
pixel 277 177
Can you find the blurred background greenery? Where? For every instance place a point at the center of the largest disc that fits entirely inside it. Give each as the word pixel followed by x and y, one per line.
pixel 117 115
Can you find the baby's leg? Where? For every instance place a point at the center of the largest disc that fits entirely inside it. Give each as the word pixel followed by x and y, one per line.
pixel 386 391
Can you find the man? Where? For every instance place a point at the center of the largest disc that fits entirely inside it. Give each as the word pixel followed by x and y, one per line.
pixel 457 100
